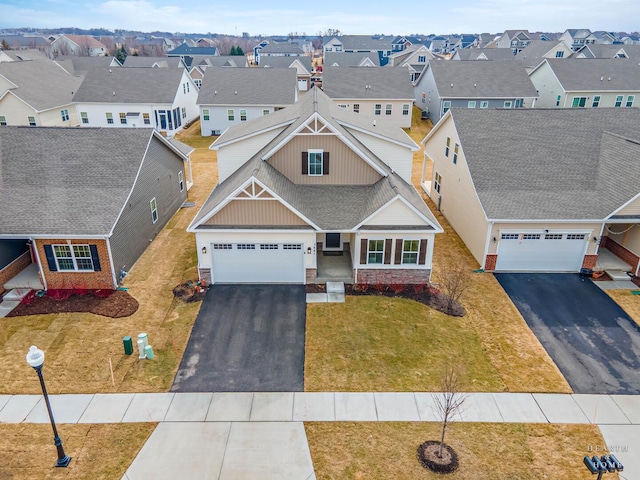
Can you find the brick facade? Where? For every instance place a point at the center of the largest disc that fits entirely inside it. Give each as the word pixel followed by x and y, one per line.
pixel 205 274
pixel 73 279
pixel 310 275
pixel 623 252
pixel 589 261
pixel 14 268
pixel 490 263
pixel 392 276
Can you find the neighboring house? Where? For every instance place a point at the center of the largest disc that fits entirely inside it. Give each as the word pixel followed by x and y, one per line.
pixel 160 98
pixel 149 62
pixel 575 38
pixel 539 189
pixel 516 40
pixel 98 197
pixel 605 38
pixel 80 45
pixel 256 51
pixel 446 84
pixel 567 83
pixel 79 66
pixel 380 95
pixel 440 45
pixel 630 40
pixel 465 41
pixel 380 45
pixel 279 49
pixel 414 58
pixel 24 42
pixel 37 93
pixel 499 54
pixel 310 181
pixel 538 50
pixel 301 64
pixel 21 55
pixel 595 50
pixel 403 42
pixel 185 50
pixel 229 96
pixel 350 59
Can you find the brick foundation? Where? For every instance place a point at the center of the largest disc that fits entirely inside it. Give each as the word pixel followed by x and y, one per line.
pixel 490 263
pixel 589 261
pixel 310 275
pixel 205 274
pixel 623 252
pixel 14 268
pixel 392 276
pixel 85 280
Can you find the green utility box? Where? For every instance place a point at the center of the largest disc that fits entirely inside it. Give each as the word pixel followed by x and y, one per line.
pixel 128 345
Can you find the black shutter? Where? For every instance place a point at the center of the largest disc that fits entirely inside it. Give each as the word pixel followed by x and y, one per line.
pixel 305 163
pixel 363 251
pixel 387 251
pixel 325 163
pixel 422 256
pixel 398 257
pixel 94 257
pixel 51 259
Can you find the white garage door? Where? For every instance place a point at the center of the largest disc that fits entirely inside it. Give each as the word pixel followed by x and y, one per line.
pixel 541 252
pixel 302 85
pixel 257 263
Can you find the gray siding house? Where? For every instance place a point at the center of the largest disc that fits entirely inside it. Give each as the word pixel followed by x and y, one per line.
pixel 102 196
pixel 472 84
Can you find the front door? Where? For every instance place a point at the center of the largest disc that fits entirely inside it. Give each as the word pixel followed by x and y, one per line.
pixel 332 240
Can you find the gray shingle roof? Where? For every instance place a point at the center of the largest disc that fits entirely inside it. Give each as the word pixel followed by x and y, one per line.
pixel 281 47
pixel 221 61
pixel 349 59
pixel 66 181
pixel 137 61
pixel 532 54
pixel 599 50
pixel 285 62
pixel 551 163
pixel 79 66
pixel 42 84
pixel 490 53
pixel 481 79
pixel 248 86
pixel 360 42
pixel 352 82
pixel 131 85
pixel 184 49
pixel 596 74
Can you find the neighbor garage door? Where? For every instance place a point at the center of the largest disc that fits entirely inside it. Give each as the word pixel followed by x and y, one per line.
pixel 257 263
pixel 302 85
pixel 541 252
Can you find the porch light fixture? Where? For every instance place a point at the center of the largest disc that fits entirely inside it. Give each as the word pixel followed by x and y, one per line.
pixel 595 239
pixel 308 250
pixel 204 250
pixel 495 239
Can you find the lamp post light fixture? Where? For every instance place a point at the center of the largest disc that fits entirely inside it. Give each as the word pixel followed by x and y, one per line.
pixel 35 358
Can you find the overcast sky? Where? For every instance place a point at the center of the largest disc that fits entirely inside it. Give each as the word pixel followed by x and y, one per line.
pixel 278 17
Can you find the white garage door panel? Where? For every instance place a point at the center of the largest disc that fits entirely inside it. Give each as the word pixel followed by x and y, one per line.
pixel 302 85
pixel 273 263
pixel 541 255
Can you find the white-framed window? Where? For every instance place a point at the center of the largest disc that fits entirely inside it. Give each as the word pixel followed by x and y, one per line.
pixel 231 115
pixel 32 121
pixel 181 180
pixel 596 101
pixel 484 104
pixel 422 58
pixel 146 119
pixel 84 117
pixel 388 109
pixel 243 115
pixel 356 107
pixel 184 88
pixel 455 154
pixel 507 104
pixel 630 100
pixel 64 113
pixel 315 163
pixel 618 101
pixel 198 82
pixel 446 105
pixel 377 110
pixel 519 102
pixel 184 112
pixel 405 109
pixel 123 118
pixel 375 252
pixel 109 116
pixel 410 251
pixel 471 104
pixel 559 54
pixel 205 114
pixel 73 257
pixel 265 111
pixel 3 120
pixel 446 148
pixel 154 210
pixel 579 102
pixel 558 98
pixel 437 182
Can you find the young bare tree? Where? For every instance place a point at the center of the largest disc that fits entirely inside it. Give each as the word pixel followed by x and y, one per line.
pixel 450 402
pixel 453 280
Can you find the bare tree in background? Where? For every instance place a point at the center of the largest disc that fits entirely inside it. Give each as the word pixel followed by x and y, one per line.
pixel 450 402
pixel 453 280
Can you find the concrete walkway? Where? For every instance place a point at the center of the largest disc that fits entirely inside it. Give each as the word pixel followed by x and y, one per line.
pixel 261 435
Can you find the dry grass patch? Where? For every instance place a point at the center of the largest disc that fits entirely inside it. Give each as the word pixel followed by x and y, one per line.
pixel 78 346
pixel 390 344
pixel 485 451
pixel 628 302
pixel 98 451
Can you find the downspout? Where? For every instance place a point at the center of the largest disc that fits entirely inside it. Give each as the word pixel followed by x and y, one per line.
pixel 42 276
pixel 113 272
pixel 356 260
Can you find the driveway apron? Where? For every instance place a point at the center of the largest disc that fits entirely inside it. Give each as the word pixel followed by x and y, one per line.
pixel 246 338
pixel 591 339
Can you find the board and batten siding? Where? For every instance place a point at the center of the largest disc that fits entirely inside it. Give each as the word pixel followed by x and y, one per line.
pixel 255 212
pixel 232 157
pixel 396 213
pixel 346 167
pixel 135 229
pixel 398 158
pixel 460 204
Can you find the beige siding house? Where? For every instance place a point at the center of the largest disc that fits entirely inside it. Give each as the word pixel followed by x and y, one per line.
pixel 310 194
pixel 539 190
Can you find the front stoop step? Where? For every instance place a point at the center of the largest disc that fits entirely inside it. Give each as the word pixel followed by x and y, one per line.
pixel 335 294
pixel 16 294
pixel 617 275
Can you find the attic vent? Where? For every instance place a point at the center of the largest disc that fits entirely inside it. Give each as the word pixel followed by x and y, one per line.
pixel 215 92
pixel 609 79
pixel 114 93
pixel 452 85
pixel 474 85
pixel 236 92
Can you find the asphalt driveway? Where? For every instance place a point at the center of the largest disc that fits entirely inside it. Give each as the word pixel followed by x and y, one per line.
pixel 592 340
pixel 247 338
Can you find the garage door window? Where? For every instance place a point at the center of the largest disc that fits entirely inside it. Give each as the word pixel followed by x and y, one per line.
pixel 510 236
pixel 531 236
pixel 246 246
pixel 222 246
pixel 268 246
pixel 287 246
pixel 575 236
pixel 553 236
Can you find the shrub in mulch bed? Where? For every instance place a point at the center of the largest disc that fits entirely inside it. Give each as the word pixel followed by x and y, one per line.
pixel 108 303
pixel 191 291
pixel 428 457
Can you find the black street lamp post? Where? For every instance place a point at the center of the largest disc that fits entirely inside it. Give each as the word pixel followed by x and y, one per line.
pixel 35 358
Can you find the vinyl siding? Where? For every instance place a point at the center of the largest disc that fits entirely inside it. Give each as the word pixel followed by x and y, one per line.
pixel 135 229
pixel 630 240
pixel 17 112
pixel 632 209
pixel 233 156
pixel 548 87
pixel 592 229
pixel 255 212
pixel 219 117
pixel 397 157
pixel 397 213
pixel 345 167
pixel 367 110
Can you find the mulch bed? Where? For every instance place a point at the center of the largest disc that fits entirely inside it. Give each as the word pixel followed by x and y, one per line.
pixel 428 457
pixel 108 303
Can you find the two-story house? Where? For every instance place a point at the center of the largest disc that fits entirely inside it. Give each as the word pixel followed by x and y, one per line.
pixel 538 50
pixel 279 49
pixel 414 58
pixel 576 38
pixel 587 83
pixel 81 45
pixel 380 45
pixel 302 65
pixel 309 183
pixel 515 40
